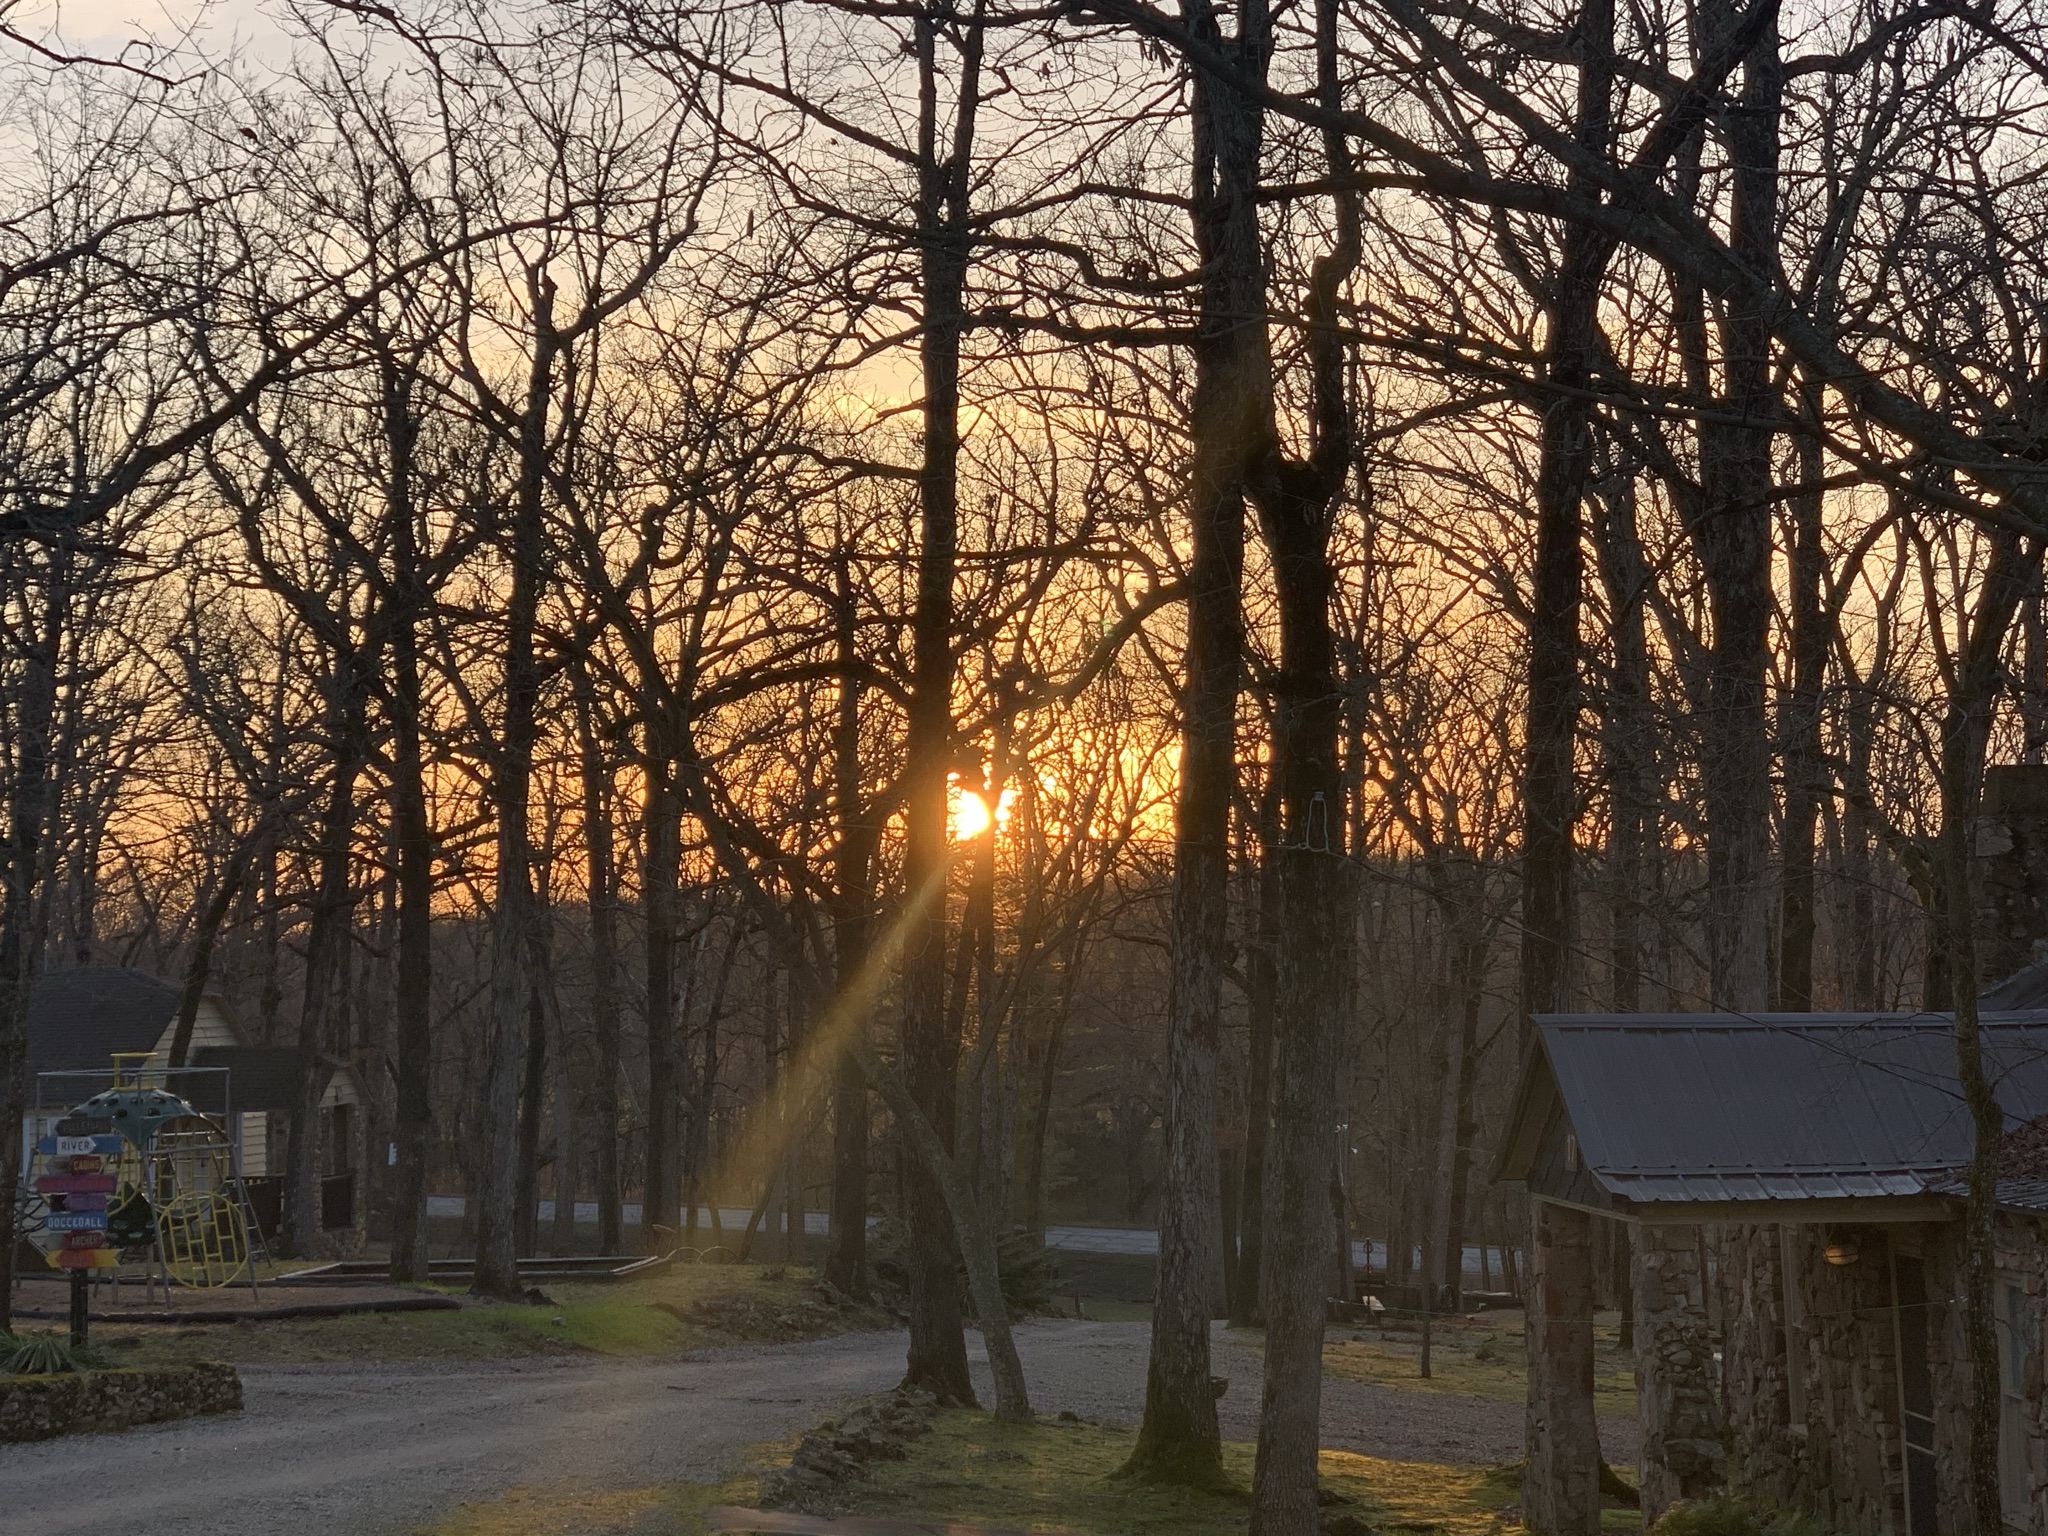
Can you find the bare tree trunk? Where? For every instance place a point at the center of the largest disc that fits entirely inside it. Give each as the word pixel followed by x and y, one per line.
pixel 931 1050
pixel 205 935
pixel 1560 1483
pixel 413 833
pixel 533 1092
pixel 1805 768
pixel 563 1088
pixel 1466 924
pixel 602 887
pixel 660 1199
pixel 846 1264
pixel 31 803
pixel 1628 741
pixel 1048 1073
pixel 327 945
pixel 497 1259
pixel 1247 1307
pixel 1731 532
pixel 1310 993
pixel 1314 967
pixel 1229 424
pixel 1965 737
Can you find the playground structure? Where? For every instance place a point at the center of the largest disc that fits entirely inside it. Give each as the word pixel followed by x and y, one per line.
pixel 134 1176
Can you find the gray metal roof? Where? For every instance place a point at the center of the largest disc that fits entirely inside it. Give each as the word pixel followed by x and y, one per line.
pixel 2026 987
pixel 1723 1107
pixel 266 1077
pixel 78 1018
pixel 2026 1195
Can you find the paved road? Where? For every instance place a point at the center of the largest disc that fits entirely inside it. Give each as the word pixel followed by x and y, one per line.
pixel 373 1450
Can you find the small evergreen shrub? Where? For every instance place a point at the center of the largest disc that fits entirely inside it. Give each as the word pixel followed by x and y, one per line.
pixel 43 1354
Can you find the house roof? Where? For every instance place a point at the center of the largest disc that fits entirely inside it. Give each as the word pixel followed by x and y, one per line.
pixel 1683 1109
pixel 263 1077
pixel 78 1019
pixel 2025 988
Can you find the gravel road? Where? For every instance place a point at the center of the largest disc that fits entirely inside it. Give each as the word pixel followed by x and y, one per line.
pixel 1098 1370
pixel 373 1450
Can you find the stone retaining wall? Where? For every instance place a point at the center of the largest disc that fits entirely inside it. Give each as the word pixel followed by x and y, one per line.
pixel 38 1407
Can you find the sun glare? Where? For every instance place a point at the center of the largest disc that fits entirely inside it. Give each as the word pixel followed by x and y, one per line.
pixel 970 812
pixel 970 816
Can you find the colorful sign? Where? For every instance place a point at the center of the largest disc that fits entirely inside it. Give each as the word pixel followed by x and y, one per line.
pixel 86 1258
pixel 75 1146
pixel 75 1221
pixel 75 1184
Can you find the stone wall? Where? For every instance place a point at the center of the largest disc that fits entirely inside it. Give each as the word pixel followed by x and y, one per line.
pixel 1683 1455
pixel 1757 1361
pixel 1561 1478
pixel 39 1407
pixel 1847 1460
pixel 2023 1262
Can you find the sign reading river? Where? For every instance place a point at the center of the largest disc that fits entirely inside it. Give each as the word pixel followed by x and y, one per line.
pixel 76 1184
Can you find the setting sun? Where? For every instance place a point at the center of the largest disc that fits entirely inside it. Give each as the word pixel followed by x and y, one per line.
pixel 970 813
pixel 970 816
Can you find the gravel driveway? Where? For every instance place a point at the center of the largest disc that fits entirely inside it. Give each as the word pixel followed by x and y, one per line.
pixel 355 1450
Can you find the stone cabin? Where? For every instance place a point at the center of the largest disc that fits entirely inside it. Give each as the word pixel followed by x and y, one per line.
pixel 1792 1187
pixel 79 1019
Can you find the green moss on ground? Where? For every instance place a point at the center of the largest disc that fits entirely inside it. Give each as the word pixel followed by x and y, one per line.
pixel 683 1307
pixel 1053 1476
pixel 1061 1475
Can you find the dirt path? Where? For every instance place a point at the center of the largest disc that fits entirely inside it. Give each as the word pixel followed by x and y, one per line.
pixel 353 1450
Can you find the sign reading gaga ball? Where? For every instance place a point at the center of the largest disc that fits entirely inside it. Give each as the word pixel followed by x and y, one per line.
pixel 135 1174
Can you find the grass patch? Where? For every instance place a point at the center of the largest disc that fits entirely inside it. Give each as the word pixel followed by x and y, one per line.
pixel 660 1509
pixel 1054 1475
pixel 1059 1475
pixel 682 1307
pixel 1483 1355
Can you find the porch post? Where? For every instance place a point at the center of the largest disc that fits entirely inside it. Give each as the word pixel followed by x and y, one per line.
pixel 1561 1478
pixel 1683 1457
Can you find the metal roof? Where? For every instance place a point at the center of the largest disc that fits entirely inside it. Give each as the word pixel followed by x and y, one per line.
pixel 266 1077
pixel 1726 1107
pixel 78 1018
pixel 2026 987
pixel 2027 1195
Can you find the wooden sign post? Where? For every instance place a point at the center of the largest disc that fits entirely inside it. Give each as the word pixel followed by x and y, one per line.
pixel 78 1187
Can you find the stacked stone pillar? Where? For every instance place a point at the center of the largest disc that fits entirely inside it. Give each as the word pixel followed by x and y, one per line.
pixel 1561 1479
pixel 1683 1456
